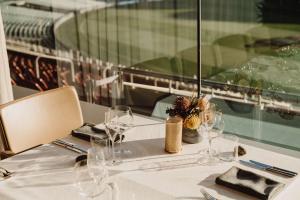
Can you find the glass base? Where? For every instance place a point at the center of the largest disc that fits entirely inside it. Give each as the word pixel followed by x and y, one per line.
pixel 123 152
pixel 94 191
pixel 208 161
pixel 226 156
pixel 114 162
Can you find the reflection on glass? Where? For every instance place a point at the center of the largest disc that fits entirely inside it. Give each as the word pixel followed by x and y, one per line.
pixel 139 46
pixel 250 58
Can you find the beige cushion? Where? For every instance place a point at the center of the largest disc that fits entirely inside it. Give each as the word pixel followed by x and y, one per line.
pixel 40 118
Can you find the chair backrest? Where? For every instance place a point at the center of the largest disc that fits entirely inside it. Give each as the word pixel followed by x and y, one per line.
pixel 40 118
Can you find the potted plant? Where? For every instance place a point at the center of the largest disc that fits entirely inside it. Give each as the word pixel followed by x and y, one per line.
pixel 190 110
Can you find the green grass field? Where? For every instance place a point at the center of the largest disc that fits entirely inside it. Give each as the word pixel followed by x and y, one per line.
pixel 162 37
pixel 152 35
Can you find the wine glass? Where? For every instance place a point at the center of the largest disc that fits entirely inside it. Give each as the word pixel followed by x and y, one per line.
pixel 216 130
pixel 208 118
pixel 96 162
pixel 219 125
pixel 125 121
pixel 112 129
pixel 124 114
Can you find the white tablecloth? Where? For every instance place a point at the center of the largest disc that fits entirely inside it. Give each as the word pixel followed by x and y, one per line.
pixel 148 173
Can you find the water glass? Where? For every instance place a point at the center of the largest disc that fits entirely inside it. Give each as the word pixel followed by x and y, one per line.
pixel 85 183
pixel 96 166
pixel 228 147
pixel 103 146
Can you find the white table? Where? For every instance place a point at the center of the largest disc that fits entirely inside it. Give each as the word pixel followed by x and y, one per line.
pixel 46 171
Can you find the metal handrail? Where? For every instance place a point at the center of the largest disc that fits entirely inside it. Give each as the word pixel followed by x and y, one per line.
pixel 56 58
pixel 40 55
pixel 207 86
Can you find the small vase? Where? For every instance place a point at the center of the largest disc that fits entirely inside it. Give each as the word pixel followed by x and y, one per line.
pixel 191 136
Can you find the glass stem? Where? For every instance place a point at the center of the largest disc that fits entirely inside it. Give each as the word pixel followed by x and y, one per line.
pixel 109 145
pixel 209 147
pixel 120 142
pixel 113 150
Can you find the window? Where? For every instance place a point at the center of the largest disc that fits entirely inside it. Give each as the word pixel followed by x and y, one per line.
pixel 250 62
pixel 149 47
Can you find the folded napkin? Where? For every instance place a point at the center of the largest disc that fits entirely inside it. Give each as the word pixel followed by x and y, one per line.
pixel 250 183
pixel 87 131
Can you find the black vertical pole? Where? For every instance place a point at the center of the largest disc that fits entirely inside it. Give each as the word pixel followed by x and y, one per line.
pixel 76 19
pixel 98 34
pixel 175 26
pixel 106 32
pixel 199 46
pixel 86 16
pixel 117 30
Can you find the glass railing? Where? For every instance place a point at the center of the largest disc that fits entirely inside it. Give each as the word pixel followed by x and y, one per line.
pixel 250 63
pixel 150 46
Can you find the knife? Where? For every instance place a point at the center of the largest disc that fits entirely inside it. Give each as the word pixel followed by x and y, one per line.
pixel 273 168
pixel 269 169
pixel 70 147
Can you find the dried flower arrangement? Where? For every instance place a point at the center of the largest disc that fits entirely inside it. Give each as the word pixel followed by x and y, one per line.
pixel 189 109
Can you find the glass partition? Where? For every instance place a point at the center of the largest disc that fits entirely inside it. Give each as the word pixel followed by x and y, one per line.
pixel 250 63
pixel 134 52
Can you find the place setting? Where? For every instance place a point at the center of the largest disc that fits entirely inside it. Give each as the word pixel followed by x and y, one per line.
pixel 96 179
pixel 198 121
pixel 95 176
pixel 192 139
pixel 193 122
pixel 94 166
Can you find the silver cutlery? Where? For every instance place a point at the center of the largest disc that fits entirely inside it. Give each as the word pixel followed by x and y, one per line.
pixel 275 169
pixel 206 195
pixel 69 146
pixel 268 168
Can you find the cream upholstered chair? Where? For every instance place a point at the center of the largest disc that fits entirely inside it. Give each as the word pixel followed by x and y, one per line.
pixel 39 119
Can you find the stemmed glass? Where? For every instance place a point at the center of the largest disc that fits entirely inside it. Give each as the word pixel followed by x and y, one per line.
pixel 112 129
pixel 124 114
pixel 209 118
pixel 125 121
pixel 219 125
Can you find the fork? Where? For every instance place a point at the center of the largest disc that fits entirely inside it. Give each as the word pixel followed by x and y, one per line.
pixel 206 195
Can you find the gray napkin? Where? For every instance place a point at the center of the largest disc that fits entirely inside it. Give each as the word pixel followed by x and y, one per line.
pixel 250 183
